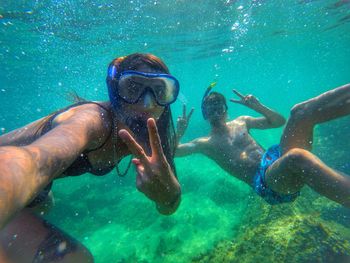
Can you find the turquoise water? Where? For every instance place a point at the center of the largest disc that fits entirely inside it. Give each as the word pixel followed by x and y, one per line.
pixel 283 52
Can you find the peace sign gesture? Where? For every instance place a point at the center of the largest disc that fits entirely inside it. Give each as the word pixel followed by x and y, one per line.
pixel 155 177
pixel 247 100
pixel 182 122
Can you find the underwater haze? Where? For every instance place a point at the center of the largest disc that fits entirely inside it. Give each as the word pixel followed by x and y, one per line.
pixel 283 52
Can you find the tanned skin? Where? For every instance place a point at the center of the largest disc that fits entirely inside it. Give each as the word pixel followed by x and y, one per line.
pixel 28 238
pixel 232 147
pixel 29 162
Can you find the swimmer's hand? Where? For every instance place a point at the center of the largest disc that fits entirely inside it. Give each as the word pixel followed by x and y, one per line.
pixel 247 100
pixel 182 122
pixel 155 177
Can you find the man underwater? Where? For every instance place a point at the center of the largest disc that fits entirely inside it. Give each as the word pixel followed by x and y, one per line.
pixel 279 173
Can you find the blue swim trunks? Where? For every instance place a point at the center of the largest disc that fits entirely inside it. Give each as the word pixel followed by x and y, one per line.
pixel 259 185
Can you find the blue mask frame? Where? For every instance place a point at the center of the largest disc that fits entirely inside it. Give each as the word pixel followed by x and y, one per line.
pixel 113 77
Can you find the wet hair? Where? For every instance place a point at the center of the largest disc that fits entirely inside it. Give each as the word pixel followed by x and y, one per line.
pixel 134 61
pixel 165 122
pixel 213 98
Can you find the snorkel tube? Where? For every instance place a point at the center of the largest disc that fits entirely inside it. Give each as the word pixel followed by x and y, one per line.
pixel 206 93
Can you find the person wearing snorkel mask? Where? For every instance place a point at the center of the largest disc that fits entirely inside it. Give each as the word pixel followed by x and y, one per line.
pixel 93 137
pixel 278 173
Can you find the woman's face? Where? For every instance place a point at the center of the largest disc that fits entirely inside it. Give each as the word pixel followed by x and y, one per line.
pixel 146 107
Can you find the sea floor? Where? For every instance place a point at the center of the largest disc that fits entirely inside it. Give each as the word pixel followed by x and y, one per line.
pixel 220 220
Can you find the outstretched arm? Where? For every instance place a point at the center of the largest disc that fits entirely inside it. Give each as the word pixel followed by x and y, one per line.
pixel 271 119
pixel 195 146
pixel 26 170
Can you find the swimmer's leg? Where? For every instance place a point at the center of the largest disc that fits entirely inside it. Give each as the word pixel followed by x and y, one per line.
pixel 29 238
pixel 299 167
pixel 298 132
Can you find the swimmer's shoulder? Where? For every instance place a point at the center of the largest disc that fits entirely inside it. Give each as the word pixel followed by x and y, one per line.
pixel 84 110
pixel 239 122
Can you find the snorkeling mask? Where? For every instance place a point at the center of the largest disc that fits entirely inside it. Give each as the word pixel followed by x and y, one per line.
pixel 214 108
pixel 130 85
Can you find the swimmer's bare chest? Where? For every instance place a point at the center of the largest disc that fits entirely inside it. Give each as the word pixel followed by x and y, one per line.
pixel 236 151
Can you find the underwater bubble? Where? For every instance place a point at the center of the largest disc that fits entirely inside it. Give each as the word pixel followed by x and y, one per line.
pixel 235 26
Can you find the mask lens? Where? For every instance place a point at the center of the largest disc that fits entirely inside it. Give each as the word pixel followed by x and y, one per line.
pixel 131 86
pixel 165 90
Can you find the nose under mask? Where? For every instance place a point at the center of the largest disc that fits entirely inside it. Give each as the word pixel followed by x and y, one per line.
pixel 148 100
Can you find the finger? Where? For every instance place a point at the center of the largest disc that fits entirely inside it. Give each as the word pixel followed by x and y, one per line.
pixel 136 161
pixel 154 138
pixel 184 111
pixel 249 97
pixel 190 114
pixel 140 169
pixel 238 94
pixel 236 101
pixel 132 145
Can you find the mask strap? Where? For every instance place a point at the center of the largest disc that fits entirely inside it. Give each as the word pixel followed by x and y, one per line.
pixel 113 67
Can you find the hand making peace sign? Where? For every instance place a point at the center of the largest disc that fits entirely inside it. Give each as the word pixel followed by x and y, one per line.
pixel 182 122
pixel 155 177
pixel 247 100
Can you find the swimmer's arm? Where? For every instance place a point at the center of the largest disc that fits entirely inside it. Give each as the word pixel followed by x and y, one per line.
pixel 22 136
pixel 195 146
pixel 271 119
pixel 25 171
